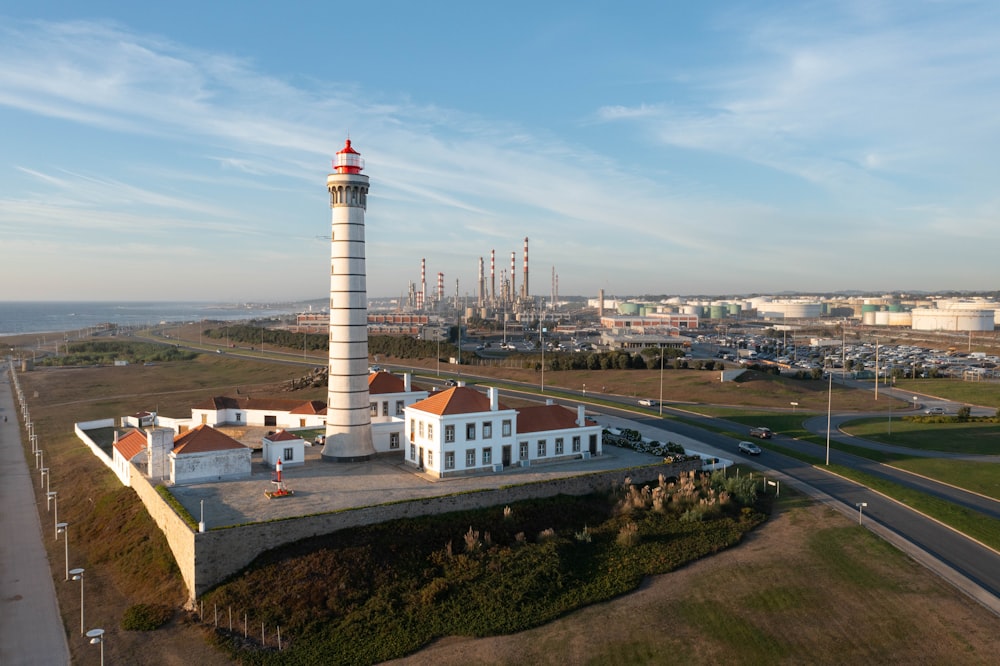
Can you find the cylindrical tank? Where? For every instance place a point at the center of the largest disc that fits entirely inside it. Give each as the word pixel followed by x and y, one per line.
pixel 628 309
pixel 717 312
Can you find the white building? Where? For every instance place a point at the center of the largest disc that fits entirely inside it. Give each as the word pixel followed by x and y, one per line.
pixel 205 454
pixel 390 395
pixel 266 412
pixel 284 446
pixel 463 431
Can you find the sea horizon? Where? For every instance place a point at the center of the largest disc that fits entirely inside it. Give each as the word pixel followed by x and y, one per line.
pixel 45 318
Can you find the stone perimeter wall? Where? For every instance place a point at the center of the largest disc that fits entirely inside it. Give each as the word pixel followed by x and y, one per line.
pixel 220 553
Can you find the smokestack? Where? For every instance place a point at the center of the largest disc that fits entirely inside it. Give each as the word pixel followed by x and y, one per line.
pixel 493 277
pixel 513 274
pixel 440 293
pixel 422 296
pixel 524 286
pixel 482 283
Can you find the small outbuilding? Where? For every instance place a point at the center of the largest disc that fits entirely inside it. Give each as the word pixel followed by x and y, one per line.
pixel 285 446
pixel 205 454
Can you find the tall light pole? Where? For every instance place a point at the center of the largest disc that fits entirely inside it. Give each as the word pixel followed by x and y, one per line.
pixel 861 508
pixel 63 528
pixel 55 500
pixel 876 368
pixel 77 574
pixel 96 637
pixel 541 343
pixel 829 413
pixel 661 380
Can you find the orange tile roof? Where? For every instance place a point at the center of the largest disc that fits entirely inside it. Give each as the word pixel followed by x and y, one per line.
pixel 132 444
pixel 456 400
pixel 547 417
pixel 282 436
pixel 311 407
pixel 385 382
pixel 246 402
pixel 203 439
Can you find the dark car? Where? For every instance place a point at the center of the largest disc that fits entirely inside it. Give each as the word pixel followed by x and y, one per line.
pixel 749 448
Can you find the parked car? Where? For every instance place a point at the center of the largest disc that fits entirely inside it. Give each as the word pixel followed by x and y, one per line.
pixel 761 432
pixel 749 448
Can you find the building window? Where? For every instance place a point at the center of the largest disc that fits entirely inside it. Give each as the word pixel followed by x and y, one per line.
pixel 470 431
pixel 385 408
pixel 430 431
pixel 374 408
pixel 400 404
pixel 487 456
pixel 470 457
pixel 413 452
pixel 449 433
pixel 420 430
pixel 505 428
pixel 487 430
pixel 559 446
pixel 522 451
pixel 430 458
pixel 393 440
pixel 576 444
pixel 449 460
pixel 238 417
pixel 541 448
pixel 289 454
pixel 593 443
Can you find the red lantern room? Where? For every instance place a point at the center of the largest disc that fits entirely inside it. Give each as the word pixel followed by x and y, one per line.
pixel 348 160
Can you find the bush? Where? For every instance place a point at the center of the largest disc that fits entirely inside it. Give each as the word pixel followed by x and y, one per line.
pixel 146 617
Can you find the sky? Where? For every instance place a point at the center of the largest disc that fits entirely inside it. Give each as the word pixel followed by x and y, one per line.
pixel 179 151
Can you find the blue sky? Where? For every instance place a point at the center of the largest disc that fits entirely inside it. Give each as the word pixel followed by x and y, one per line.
pixel 179 151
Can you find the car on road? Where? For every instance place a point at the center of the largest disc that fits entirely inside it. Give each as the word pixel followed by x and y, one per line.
pixel 450 382
pixel 761 433
pixel 935 410
pixel 749 448
pixel 647 402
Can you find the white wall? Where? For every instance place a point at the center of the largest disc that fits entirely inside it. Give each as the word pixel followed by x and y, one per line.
pixel 211 466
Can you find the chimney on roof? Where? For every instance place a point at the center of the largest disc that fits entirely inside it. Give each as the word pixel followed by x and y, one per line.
pixel 407 385
pixel 581 416
pixel 494 398
pixel 116 436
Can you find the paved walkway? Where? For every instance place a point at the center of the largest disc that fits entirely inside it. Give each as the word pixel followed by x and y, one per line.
pixel 31 630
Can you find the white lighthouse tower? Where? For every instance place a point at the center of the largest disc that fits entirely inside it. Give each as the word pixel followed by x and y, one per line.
pixel 348 419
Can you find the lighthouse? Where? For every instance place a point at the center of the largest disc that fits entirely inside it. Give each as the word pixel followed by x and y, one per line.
pixel 348 419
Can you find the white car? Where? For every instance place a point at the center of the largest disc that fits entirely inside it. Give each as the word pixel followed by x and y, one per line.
pixel 647 402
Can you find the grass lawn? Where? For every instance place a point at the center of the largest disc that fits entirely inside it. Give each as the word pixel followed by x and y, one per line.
pixel 972 393
pixel 982 478
pixel 931 435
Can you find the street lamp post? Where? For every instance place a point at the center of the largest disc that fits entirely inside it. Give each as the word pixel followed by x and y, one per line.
pixel 861 507
pixel 77 574
pixel 829 413
pixel 96 637
pixel 63 528
pixel 55 501
pixel 44 472
pixel 661 380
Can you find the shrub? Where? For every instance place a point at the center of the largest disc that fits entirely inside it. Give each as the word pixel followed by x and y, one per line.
pixel 146 617
pixel 628 535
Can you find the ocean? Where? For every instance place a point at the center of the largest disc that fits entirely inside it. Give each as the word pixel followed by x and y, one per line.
pixel 42 318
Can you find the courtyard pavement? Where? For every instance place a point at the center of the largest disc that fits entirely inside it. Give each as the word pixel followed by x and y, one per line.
pixel 321 486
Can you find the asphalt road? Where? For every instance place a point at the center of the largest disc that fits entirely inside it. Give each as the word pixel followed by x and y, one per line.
pixel 31 630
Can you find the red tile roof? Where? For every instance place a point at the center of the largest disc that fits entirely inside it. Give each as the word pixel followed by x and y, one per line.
pixel 132 444
pixel 311 407
pixel 385 382
pixel 547 417
pixel 246 402
pixel 203 439
pixel 456 400
pixel 282 436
